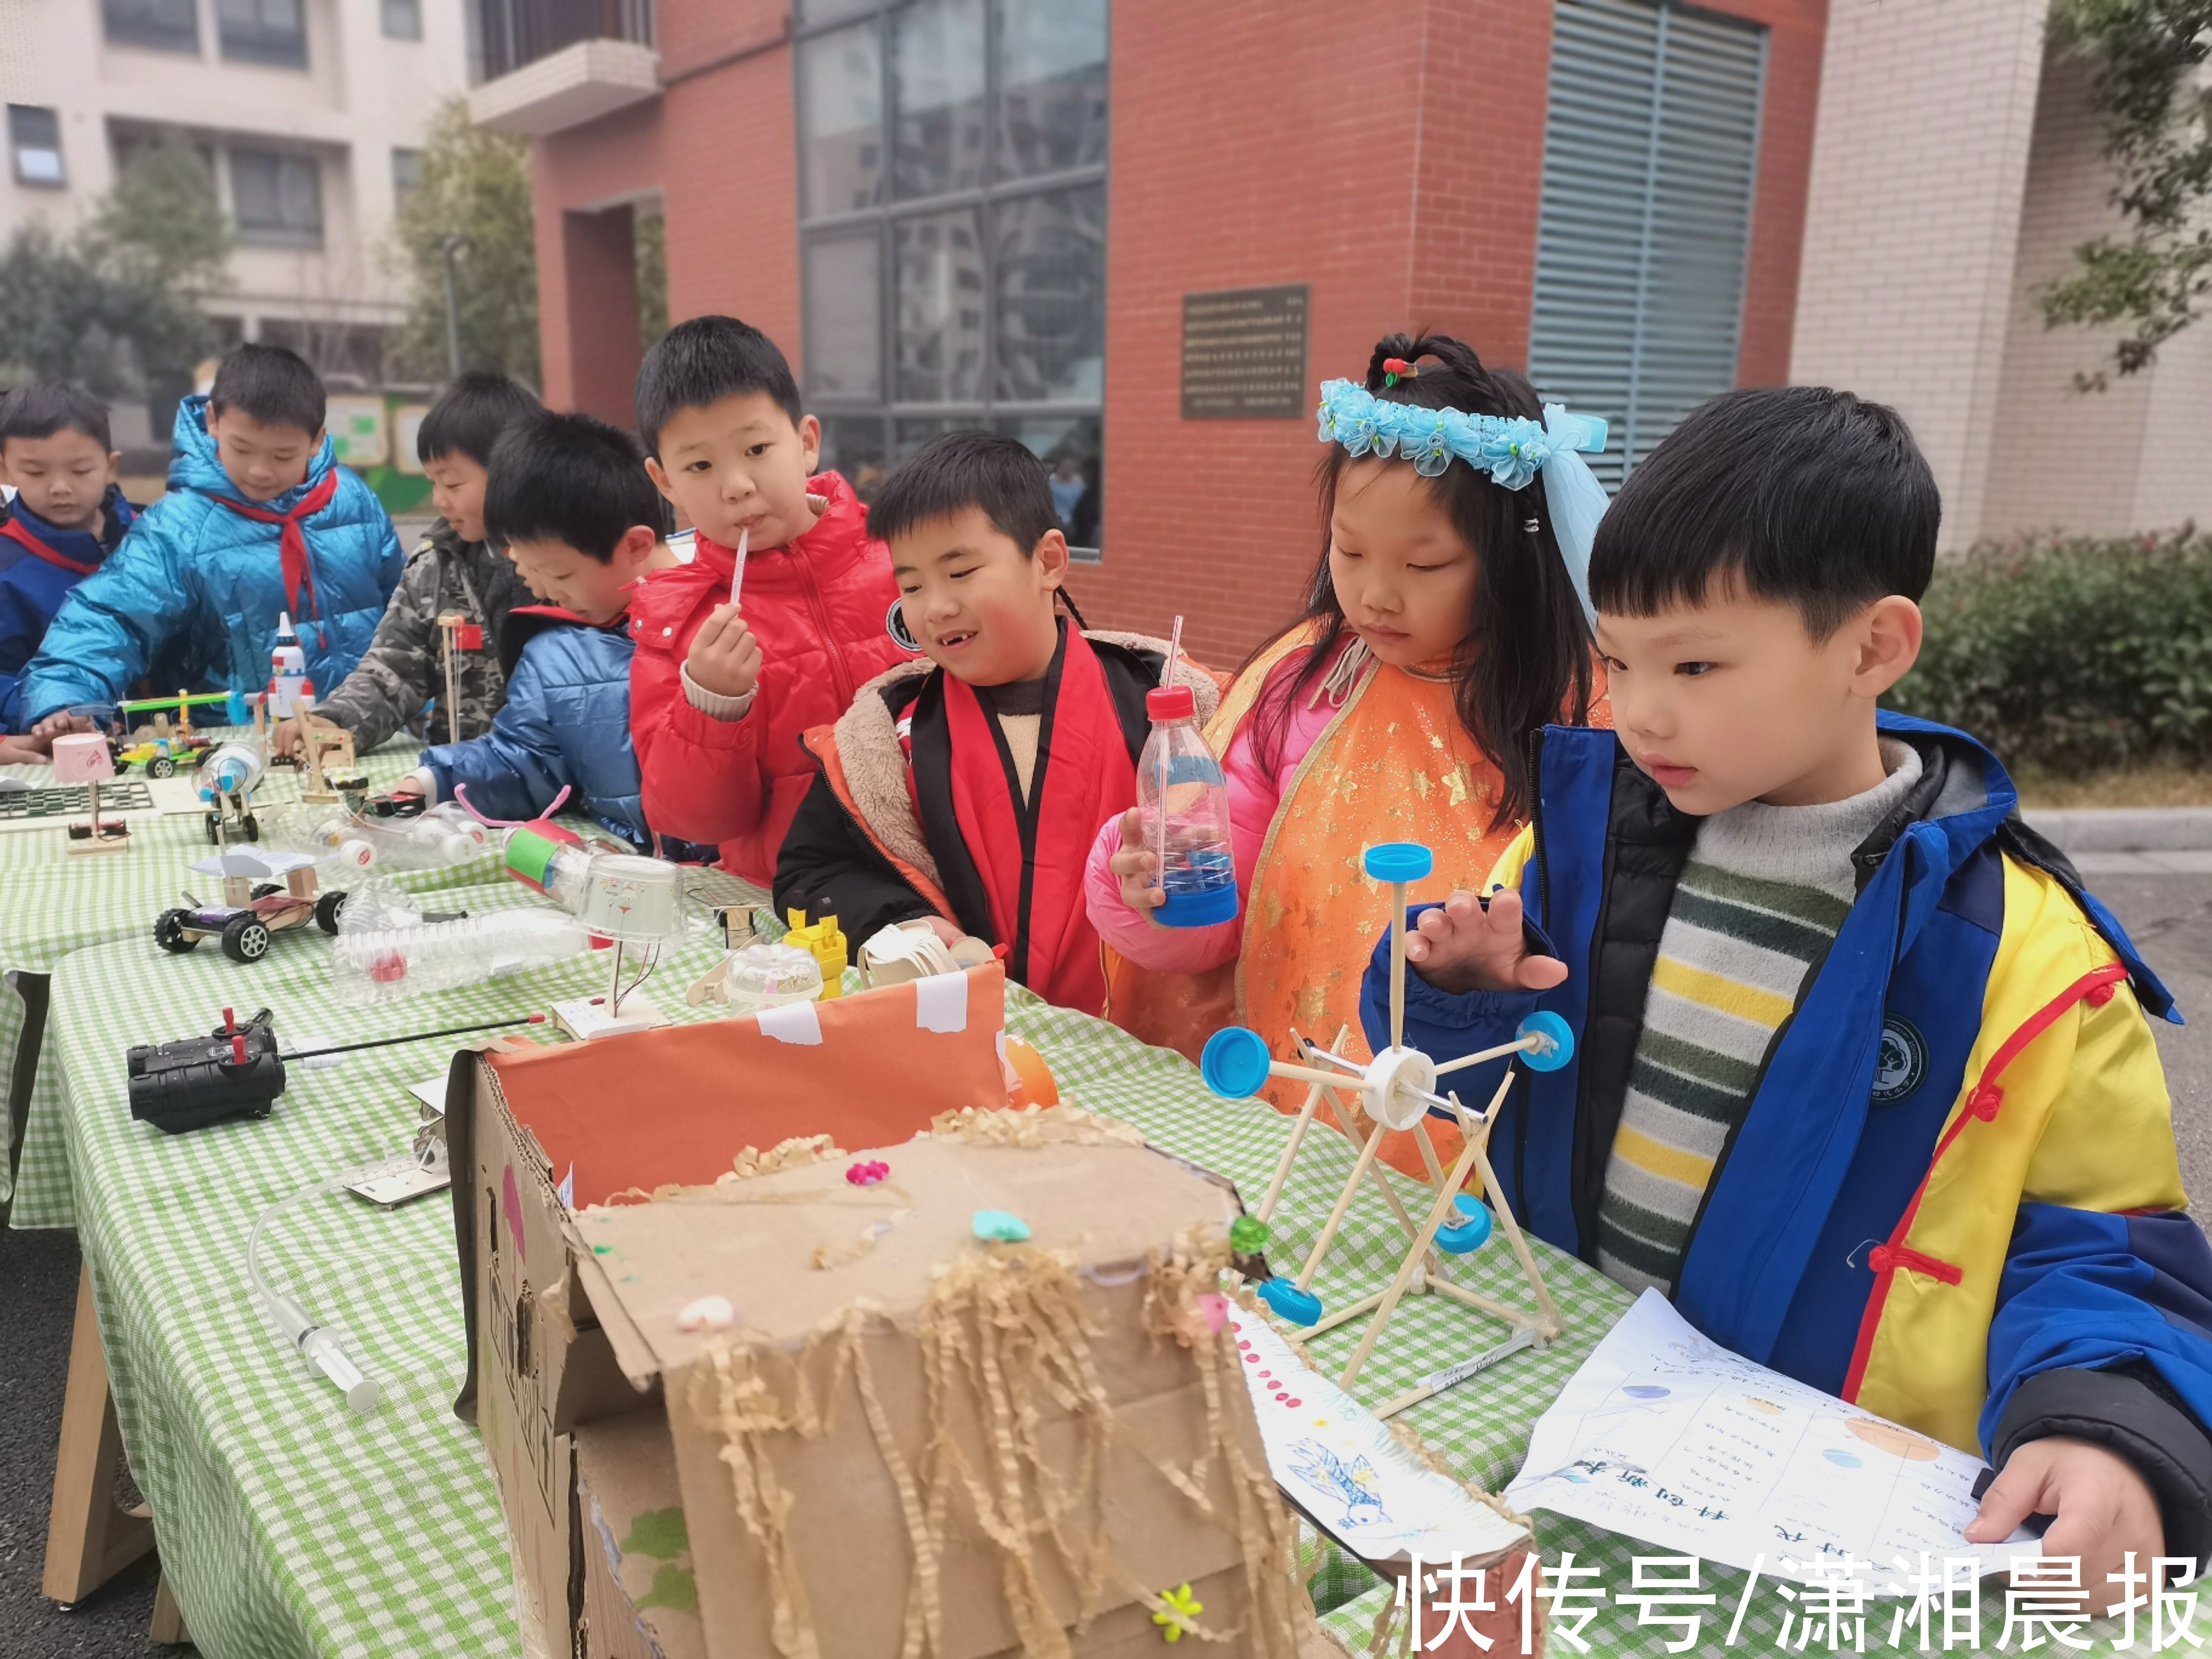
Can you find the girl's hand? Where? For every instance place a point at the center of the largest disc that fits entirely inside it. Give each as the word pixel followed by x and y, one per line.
pixel 2104 1508
pixel 1460 946
pixel 950 931
pixel 1137 866
pixel 725 658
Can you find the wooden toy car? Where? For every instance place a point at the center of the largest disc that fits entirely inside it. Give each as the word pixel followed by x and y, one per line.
pixel 254 909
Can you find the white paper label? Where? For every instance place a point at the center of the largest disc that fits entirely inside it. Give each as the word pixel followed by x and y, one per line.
pixel 794 1022
pixel 940 1002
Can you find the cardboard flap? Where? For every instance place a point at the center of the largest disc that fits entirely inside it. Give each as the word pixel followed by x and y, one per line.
pixel 677 1104
pixel 631 1351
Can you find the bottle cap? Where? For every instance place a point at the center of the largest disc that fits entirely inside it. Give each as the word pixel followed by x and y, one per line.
pixel 1171 703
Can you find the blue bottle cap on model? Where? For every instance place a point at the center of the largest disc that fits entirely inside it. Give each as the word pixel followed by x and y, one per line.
pixel 1234 1062
pixel 1289 1301
pixel 1560 1041
pixel 1398 860
pixel 1469 1232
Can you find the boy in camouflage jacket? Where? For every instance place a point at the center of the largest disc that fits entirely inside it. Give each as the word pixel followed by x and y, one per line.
pixel 401 679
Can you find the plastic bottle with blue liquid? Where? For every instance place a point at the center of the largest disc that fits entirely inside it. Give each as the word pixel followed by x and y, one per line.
pixel 1182 800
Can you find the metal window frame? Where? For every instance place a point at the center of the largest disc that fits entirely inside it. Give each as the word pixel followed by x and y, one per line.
pixel 249 49
pixel 17 149
pixel 149 41
pixel 886 408
pixel 277 236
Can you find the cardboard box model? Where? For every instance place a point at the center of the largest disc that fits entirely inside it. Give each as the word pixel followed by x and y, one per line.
pixel 907 1439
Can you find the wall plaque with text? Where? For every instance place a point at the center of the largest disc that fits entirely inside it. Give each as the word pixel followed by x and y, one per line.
pixel 1244 355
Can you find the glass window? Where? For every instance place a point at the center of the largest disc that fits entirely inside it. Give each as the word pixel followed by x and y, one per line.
pixel 843 327
pixel 403 19
pixel 277 197
pixel 939 260
pixel 840 114
pixel 172 25
pixel 1052 86
pixel 262 32
pixel 1051 268
pixel 854 444
pixel 406 171
pixel 813 14
pixel 1070 446
pixel 937 95
pixel 35 135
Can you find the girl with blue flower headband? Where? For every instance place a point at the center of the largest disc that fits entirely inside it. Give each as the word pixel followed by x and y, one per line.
pixel 1446 623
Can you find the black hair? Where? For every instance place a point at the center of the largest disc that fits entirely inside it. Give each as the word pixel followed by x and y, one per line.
pixel 572 479
pixel 998 476
pixel 1811 496
pixel 271 384
pixel 1524 661
pixel 703 361
pixel 39 411
pixel 468 420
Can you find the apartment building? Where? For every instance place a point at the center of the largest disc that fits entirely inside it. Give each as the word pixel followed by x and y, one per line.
pixel 310 113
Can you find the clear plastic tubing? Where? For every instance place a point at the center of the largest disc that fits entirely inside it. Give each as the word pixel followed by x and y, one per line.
pixel 384 964
pixel 1182 801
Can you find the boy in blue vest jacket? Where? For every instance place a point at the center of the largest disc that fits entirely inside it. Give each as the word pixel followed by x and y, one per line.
pixel 67 517
pixel 259 520
pixel 1863 1077
pixel 569 499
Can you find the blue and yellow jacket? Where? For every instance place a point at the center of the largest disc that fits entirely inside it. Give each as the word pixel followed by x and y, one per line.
pixel 1954 1198
pixel 40 563
pixel 197 587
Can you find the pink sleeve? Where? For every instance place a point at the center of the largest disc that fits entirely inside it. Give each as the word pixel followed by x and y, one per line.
pixel 1138 937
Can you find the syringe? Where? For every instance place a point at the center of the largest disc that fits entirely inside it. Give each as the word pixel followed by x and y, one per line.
pixel 320 1347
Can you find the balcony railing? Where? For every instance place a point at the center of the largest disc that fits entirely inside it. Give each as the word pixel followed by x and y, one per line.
pixel 518 32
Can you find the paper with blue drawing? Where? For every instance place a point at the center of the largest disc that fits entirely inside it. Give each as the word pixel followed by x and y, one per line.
pixel 1666 1437
pixel 1337 1463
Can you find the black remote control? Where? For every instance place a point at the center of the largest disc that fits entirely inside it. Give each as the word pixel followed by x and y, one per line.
pixel 234 1071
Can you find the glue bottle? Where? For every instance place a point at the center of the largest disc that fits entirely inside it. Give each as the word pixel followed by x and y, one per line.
pixel 1182 800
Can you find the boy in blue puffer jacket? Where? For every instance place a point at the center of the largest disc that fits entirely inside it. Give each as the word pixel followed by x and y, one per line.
pixel 261 519
pixel 569 499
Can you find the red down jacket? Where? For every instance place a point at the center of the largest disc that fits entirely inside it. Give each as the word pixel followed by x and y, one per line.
pixel 817 607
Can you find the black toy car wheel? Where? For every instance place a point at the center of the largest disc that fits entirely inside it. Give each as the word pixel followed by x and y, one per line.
pixel 160 767
pixel 252 828
pixel 245 938
pixel 170 932
pixel 327 909
pixel 215 828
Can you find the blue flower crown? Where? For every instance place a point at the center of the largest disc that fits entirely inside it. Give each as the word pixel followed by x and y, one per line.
pixel 1511 449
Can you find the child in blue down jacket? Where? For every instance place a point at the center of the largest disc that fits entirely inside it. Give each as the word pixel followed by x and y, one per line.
pixel 569 499
pixel 261 519
pixel 61 527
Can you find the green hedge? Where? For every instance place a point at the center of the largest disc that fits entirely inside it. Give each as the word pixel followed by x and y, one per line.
pixel 2072 655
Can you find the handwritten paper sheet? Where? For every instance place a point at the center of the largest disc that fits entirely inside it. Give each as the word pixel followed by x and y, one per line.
pixel 1337 1463
pixel 1668 1438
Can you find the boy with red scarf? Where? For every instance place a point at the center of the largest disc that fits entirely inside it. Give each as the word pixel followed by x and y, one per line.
pixel 722 685
pixel 68 515
pixel 966 789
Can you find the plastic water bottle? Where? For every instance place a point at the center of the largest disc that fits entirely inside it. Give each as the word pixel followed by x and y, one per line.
pixel 1182 800
pixel 385 951
pixel 233 769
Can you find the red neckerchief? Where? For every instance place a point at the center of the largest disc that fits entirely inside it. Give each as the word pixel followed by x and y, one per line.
pixel 12 527
pixel 1033 881
pixel 292 541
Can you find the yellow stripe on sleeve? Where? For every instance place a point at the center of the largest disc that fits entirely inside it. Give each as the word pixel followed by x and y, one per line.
pixel 1727 996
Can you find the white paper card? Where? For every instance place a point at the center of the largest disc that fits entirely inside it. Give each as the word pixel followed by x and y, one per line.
pixel 1337 1461
pixel 431 1091
pixel 794 1022
pixel 1669 1438
pixel 940 1002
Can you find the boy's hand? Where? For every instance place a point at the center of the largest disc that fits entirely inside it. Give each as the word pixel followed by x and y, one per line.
pixel 725 658
pixel 288 736
pixel 1136 865
pixel 1460 946
pixel 2104 1506
pixel 61 723
pixel 26 751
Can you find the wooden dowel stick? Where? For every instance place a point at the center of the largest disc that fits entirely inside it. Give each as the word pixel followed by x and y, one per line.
pixel 1446 1196
pixel 1343 1203
pixel 1496 1310
pixel 1298 1136
pixel 1502 1212
pixel 1520 1043
pixel 1428 1149
pixel 1397 964
pixel 1310 1074
pixel 1343 1316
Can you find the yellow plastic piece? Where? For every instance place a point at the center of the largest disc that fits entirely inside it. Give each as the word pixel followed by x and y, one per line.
pixel 823 942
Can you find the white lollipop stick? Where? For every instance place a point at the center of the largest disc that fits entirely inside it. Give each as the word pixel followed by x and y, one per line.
pixel 738 573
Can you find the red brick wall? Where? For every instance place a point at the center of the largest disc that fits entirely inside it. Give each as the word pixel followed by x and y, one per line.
pixel 1796 31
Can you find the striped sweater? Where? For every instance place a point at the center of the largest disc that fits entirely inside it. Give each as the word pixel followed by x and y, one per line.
pixel 1764 894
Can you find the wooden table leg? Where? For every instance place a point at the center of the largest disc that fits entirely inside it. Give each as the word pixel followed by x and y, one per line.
pixel 89 1539
pixel 169 1625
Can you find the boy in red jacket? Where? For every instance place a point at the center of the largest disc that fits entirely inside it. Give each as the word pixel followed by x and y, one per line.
pixel 722 692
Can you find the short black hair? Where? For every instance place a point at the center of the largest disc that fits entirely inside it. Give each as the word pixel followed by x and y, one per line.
pixel 39 411
pixel 468 420
pixel 955 470
pixel 572 479
pixel 272 385
pixel 703 361
pixel 1811 496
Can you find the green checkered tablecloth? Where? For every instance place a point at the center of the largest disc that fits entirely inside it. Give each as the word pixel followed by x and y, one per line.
pixel 289 1525
pixel 53 902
